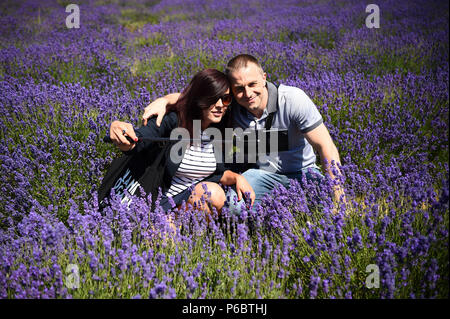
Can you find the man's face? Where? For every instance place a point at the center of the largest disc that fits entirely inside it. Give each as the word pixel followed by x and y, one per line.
pixel 249 88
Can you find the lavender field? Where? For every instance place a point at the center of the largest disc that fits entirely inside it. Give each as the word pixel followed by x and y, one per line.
pixel 384 96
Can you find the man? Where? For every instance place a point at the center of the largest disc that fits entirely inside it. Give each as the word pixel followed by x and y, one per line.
pixel 254 99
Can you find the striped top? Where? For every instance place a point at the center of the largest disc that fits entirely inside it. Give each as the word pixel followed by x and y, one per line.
pixel 198 163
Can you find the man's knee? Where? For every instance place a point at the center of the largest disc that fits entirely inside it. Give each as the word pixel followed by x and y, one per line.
pixel 253 172
pixel 259 178
pixel 313 175
pixel 254 176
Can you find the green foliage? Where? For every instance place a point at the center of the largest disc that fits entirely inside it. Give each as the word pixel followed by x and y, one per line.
pixel 153 39
pixel 64 3
pixel 134 19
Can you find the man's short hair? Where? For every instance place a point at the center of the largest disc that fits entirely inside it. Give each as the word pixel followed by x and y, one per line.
pixel 241 61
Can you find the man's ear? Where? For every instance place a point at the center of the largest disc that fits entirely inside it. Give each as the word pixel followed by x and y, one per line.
pixel 264 78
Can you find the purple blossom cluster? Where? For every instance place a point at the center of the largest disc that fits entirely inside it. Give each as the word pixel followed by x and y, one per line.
pixel 383 94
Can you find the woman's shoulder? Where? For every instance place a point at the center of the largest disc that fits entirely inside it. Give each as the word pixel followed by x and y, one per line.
pixel 172 116
pixel 168 123
pixel 170 119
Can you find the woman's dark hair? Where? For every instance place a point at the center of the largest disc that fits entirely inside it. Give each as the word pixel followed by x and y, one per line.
pixel 204 90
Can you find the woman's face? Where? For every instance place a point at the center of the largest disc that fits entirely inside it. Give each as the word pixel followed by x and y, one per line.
pixel 215 112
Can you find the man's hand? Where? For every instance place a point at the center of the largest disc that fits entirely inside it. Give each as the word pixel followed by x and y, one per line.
pixel 339 194
pixel 158 108
pixel 339 199
pixel 118 132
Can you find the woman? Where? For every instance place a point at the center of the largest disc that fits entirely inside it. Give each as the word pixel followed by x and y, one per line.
pixel 206 98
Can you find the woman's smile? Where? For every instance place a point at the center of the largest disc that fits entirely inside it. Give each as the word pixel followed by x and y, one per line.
pixel 217 113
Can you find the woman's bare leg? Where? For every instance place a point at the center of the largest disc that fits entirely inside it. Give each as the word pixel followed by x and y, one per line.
pixel 213 197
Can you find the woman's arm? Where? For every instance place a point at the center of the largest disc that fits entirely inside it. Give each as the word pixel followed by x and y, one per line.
pixel 118 136
pixel 242 186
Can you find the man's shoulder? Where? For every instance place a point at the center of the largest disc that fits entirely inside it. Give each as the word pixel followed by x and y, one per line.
pixel 296 103
pixel 293 99
pixel 291 93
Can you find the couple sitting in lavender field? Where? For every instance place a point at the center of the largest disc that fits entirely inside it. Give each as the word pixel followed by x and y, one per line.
pixel 209 98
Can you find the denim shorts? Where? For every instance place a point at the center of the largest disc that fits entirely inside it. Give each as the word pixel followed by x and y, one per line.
pixel 263 182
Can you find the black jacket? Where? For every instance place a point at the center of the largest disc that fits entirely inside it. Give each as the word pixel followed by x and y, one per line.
pixel 169 122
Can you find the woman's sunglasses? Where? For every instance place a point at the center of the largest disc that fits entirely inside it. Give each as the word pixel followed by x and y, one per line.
pixel 226 99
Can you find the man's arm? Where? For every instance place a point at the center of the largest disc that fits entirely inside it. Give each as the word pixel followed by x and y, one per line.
pixel 158 108
pixel 321 141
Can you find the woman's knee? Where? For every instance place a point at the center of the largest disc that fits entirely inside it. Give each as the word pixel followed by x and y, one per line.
pixel 210 192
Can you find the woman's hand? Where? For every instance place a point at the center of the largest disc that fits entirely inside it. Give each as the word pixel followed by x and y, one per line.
pixel 118 132
pixel 242 187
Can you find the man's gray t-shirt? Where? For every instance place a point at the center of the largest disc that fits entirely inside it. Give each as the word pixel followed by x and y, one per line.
pixel 296 113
